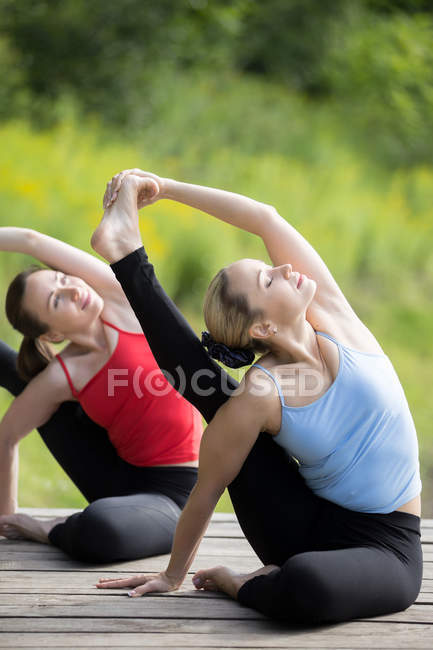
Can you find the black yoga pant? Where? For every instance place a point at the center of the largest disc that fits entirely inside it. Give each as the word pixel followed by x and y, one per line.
pixel 133 510
pixel 335 564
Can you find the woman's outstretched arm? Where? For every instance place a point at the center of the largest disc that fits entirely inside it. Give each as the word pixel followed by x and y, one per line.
pixel 61 256
pixel 283 242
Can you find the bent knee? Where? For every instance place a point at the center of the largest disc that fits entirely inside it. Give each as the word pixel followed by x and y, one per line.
pixel 313 598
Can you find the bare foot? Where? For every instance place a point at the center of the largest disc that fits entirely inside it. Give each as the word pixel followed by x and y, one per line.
pixel 221 578
pixel 21 526
pixel 118 234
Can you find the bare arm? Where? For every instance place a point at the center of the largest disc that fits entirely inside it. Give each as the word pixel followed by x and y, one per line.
pixel 283 242
pixel 225 445
pixel 59 255
pixel 31 409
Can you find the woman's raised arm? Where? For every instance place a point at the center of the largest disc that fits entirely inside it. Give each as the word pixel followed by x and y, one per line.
pixel 61 256
pixel 283 242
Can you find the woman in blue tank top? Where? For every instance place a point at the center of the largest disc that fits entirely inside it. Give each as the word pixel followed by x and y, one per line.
pixel 316 444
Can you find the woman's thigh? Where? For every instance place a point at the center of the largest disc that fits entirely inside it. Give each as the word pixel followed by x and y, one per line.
pixel 337 585
pixel 119 528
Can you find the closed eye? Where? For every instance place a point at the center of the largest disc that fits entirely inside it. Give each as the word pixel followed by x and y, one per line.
pixel 269 283
pixel 63 279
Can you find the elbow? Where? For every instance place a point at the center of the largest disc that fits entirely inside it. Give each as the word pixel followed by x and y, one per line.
pixel 7 446
pixel 205 496
pixel 8 440
pixel 31 240
pixel 272 212
pixel 271 218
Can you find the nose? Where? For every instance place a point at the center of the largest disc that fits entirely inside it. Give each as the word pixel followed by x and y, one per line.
pixel 287 270
pixel 73 293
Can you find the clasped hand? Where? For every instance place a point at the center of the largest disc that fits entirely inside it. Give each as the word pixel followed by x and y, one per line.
pixel 140 584
pixel 149 189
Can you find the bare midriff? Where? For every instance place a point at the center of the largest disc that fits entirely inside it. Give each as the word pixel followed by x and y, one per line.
pixel 413 507
pixel 190 463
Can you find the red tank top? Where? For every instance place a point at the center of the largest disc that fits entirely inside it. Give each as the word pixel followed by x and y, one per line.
pixel 147 420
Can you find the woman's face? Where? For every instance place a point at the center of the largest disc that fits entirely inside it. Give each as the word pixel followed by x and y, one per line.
pixel 283 295
pixel 66 303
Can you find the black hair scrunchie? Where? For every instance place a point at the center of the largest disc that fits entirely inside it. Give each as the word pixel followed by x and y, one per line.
pixel 231 357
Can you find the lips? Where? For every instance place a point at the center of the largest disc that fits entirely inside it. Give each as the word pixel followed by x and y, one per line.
pixel 86 301
pixel 300 281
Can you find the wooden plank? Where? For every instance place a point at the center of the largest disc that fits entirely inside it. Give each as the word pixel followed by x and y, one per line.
pixel 64 597
pixel 118 605
pixel 83 582
pixel 426 535
pixel 9 549
pixel 148 565
pixel 414 614
pixel 342 636
pixel 426 598
pixel 209 546
pixel 205 627
pixel 31 605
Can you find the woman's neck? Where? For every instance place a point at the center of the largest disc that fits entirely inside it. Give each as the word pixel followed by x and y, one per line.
pixel 297 344
pixel 93 340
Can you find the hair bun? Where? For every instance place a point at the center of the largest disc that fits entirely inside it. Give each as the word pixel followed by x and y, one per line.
pixel 231 357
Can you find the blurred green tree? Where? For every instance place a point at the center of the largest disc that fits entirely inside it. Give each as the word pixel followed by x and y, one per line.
pixel 109 54
pixel 118 60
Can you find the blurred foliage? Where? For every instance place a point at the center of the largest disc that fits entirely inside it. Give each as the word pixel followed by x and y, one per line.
pixel 119 60
pixel 381 71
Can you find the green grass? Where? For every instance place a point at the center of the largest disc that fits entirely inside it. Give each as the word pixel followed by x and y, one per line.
pixel 373 227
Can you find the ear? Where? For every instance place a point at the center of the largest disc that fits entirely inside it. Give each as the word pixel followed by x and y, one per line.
pixel 51 337
pixel 262 330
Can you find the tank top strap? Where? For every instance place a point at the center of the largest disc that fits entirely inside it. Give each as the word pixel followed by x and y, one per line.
pixel 68 376
pixel 114 327
pixel 328 336
pixel 280 393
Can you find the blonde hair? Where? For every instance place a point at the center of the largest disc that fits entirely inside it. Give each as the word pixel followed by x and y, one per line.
pixel 228 316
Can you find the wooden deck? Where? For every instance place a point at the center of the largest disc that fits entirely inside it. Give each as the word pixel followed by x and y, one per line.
pixel 49 601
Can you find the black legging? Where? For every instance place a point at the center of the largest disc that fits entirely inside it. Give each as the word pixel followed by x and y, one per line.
pixel 335 564
pixel 133 510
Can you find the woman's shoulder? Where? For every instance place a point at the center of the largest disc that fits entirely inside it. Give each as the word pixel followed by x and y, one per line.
pixel 345 327
pixel 261 381
pixel 121 318
pixel 79 365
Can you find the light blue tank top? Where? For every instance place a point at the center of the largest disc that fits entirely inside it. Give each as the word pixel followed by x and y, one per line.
pixel 356 445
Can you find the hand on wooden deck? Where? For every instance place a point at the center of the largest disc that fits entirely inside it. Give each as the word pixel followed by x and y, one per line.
pixel 141 584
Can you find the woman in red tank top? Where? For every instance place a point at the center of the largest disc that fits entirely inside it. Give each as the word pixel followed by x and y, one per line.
pixel 138 467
